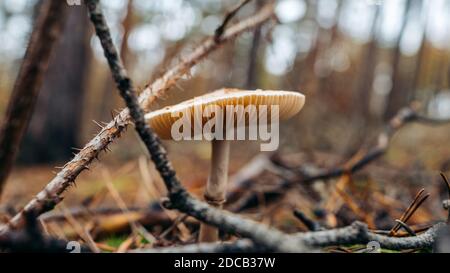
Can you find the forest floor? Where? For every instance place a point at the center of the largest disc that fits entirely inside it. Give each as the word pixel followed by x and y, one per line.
pixel 377 195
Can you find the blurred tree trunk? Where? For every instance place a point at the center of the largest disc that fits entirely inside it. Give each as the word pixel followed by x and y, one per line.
pixel 304 76
pixel 252 71
pixel 399 95
pixel 327 84
pixel 365 78
pixel 362 94
pixel 418 65
pixel 107 102
pixel 49 21
pixel 421 56
pixel 54 128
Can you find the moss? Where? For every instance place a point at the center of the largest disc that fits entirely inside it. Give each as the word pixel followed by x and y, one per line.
pixel 115 241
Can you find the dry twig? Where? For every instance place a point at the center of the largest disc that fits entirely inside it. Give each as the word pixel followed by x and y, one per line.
pixel 404 116
pixel 220 30
pixel 301 176
pixel 31 239
pixel 308 222
pixel 446 203
pixel 355 234
pixel 409 212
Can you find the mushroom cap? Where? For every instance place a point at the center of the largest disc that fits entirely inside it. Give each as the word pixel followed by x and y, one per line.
pixel 289 103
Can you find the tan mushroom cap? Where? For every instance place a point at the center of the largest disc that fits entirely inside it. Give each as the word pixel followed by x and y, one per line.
pixel 290 103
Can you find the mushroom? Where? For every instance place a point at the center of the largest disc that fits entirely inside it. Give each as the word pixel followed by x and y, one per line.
pixel 166 123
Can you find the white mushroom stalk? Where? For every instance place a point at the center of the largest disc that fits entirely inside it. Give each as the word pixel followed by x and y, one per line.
pixel 216 185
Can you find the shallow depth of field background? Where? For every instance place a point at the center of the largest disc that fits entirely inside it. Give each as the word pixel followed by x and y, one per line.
pixel 357 61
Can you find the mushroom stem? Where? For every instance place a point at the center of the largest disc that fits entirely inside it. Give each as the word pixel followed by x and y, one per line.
pixel 216 186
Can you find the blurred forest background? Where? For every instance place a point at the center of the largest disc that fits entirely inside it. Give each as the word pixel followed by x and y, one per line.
pixel 357 61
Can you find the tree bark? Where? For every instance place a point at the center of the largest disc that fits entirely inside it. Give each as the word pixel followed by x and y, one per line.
pixel 366 76
pixel 49 23
pixel 399 96
pixel 57 119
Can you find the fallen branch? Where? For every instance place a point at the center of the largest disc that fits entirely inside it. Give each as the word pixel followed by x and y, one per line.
pixel 420 198
pixel 424 240
pixel 262 235
pixel 404 116
pixel 107 221
pixel 55 216
pixel 446 202
pixel 48 26
pixel 355 234
pixel 240 246
pixel 21 241
pixel 51 194
pixel 31 239
pixel 311 174
pixel 308 222
pixel 358 233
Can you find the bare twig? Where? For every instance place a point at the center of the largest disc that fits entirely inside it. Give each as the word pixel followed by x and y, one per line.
pixel 240 246
pixel 31 239
pixel 308 222
pixel 269 238
pixel 357 233
pixel 80 230
pixel 424 240
pixel 404 116
pixel 406 227
pixel 446 203
pixel 46 32
pixel 220 30
pixel 97 212
pixel 295 176
pixel 51 194
pixel 417 202
pixel 135 226
pixel 175 223
pixel 179 197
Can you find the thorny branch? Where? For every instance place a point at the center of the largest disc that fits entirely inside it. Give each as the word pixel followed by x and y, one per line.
pixel 179 197
pixel 51 194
